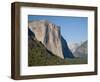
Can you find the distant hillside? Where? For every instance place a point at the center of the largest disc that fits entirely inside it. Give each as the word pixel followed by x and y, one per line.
pixel 81 51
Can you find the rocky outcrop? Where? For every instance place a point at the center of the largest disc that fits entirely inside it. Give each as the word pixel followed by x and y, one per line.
pixel 50 36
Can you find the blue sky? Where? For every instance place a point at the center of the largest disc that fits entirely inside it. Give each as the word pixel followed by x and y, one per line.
pixel 73 29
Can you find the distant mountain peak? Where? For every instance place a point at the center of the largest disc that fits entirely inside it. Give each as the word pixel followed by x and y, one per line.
pixel 73 46
pixel 81 50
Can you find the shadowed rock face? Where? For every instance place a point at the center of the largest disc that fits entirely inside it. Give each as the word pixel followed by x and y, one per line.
pixel 66 51
pixel 49 35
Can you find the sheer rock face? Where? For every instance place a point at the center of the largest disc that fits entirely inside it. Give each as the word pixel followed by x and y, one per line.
pixel 49 34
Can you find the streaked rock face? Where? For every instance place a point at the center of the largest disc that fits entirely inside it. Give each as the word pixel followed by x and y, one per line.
pixel 49 34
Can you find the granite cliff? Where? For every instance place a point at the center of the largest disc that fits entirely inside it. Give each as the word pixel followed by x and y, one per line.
pixel 50 36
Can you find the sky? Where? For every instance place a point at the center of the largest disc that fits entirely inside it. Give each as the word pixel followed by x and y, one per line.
pixel 73 29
